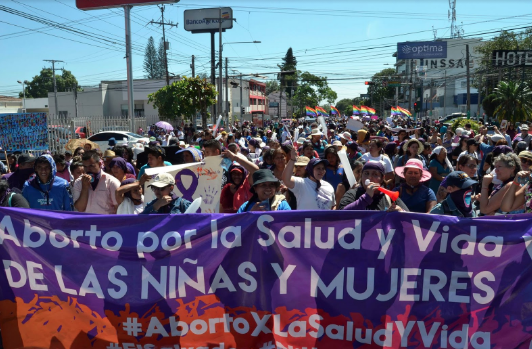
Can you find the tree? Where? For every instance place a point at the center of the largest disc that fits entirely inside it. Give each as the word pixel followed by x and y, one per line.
pixel 506 40
pixel 288 80
pixel 43 83
pixel 378 91
pixel 489 105
pixel 514 101
pixel 271 86
pixel 345 106
pixel 161 66
pixel 311 91
pixel 151 61
pixel 185 98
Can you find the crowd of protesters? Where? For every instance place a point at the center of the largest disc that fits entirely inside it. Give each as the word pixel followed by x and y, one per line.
pixel 293 165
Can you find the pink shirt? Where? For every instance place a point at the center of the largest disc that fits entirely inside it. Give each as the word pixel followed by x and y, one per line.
pixel 102 200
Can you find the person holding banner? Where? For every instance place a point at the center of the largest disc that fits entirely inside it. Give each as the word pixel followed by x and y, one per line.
pixel 458 202
pixel 366 196
pixel 166 200
pixel 94 191
pixel 264 189
pixel 416 196
pixel 312 193
pixel 47 191
pixel 9 198
pixel 237 189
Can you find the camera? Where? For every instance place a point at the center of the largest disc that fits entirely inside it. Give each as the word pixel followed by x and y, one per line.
pixel 490 128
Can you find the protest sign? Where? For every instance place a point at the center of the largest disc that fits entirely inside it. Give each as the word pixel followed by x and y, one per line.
pixel 314 279
pixel 24 131
pixel 200 179
pixel 354 125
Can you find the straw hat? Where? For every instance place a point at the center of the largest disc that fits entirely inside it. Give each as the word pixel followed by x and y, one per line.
pixel 410 141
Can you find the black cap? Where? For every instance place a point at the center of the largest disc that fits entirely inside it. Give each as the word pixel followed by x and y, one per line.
pixel 458 179
pixel 262 176
pixel 25 158
pixel 472 141
pixel 68 152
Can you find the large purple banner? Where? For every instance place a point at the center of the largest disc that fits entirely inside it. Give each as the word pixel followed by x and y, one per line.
pixel 297 279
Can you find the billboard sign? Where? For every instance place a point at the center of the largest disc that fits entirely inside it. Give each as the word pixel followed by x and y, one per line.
pixel 101 4
pixel 205 20
pixel 422 49
pixel 511 58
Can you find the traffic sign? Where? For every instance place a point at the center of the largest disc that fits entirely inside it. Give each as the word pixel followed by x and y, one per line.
pixel 394 83
pixel 364 95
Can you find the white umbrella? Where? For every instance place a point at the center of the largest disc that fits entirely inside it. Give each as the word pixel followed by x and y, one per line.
pixel 164 125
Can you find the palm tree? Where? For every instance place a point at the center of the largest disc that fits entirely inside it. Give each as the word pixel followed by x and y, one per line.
pixel 514 101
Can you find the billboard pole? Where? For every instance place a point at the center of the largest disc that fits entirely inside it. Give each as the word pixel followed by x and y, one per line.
pixel 130 100
pixel 220 92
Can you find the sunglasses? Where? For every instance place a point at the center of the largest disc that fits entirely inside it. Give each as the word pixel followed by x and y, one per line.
pixel 525 161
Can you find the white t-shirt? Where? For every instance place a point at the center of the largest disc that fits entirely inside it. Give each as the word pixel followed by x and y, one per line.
pixel 128 207
pixel 388 167
pixel 475 155
pixel 309 199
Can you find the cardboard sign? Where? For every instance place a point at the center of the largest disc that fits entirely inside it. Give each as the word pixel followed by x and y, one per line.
pixel 354 125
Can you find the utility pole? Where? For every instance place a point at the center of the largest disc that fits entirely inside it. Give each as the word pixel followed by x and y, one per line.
pixel 444 92
pixel 75 87
pixel 410 87
pixel 213 78
pixel 193 67
pixel 241 114
pixel 220 95
pixel 164 41
pixel 431 97
pixel 129 63
pixel 226 92
pixel 55 84
pixel 468 83
pixel 479 105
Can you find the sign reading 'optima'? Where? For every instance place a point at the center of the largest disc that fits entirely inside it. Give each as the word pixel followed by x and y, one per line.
pixel 511 58
pixel 422 49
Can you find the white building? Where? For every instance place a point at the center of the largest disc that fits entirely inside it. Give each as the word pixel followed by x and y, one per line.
pixel 442 81
pixel 109 98
pixel 10 105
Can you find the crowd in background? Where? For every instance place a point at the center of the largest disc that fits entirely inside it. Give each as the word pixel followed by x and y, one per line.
pixel 294 165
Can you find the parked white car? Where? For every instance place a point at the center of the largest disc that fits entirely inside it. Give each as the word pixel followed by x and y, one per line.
pixel 132 139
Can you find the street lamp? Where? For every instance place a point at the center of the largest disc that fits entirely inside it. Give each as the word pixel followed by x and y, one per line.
pixel 23 92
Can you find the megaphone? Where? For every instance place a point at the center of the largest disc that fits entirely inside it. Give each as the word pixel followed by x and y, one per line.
pixel 394 195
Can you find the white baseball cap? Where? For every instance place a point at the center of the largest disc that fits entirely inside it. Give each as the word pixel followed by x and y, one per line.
pixel 163 180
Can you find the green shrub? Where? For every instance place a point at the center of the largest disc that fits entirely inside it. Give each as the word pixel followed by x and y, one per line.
pixel 461 123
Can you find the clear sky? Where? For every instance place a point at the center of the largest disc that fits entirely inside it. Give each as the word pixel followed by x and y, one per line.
pixel 346 41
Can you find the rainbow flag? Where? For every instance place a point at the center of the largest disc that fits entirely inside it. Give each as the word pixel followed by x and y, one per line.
pixel 371 111
pixel 363 110
pixel 321 111
pixel 310 111
pixel 393 111
pixel 356 111
pixel 404 111
pixel 334 111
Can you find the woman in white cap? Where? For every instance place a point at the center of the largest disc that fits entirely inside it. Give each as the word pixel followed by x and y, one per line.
pixel 317 143
pixel 312 193
pixel 416 196
pixel 439 167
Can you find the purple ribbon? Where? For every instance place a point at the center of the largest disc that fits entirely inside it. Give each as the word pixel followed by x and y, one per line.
pixel 186 193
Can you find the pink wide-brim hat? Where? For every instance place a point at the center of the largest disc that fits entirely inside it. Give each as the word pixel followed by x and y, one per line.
pixel 414 163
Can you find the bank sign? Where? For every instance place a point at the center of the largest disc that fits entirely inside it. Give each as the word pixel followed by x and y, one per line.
pixel 511 58
pixel 208 19
pixel 422 49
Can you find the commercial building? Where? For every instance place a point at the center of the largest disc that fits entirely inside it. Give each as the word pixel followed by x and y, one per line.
pixel 440 84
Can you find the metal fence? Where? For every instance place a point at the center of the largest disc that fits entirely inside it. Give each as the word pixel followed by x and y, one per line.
pixel 63 128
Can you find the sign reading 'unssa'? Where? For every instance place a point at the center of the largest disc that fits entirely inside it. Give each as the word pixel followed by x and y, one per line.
pixel 422 49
